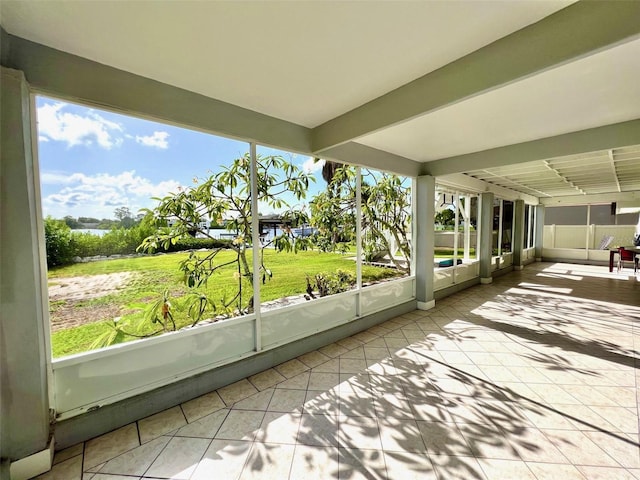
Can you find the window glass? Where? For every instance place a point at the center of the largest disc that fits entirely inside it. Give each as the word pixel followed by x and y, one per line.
pixel 135 245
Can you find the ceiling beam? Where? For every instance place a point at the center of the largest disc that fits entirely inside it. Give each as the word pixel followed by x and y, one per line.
pixel 591 199
pixel 358 154
pixel 613 167
pixel 577 31
pixel 465 183
pixel 590 140
pixel 60 74
pixel 562 177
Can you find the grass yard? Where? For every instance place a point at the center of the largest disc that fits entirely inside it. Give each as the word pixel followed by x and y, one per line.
pixel 154 274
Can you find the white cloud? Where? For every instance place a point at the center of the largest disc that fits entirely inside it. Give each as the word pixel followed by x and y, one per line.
pixel 158 140
pixel 310 166
pixel 56 124
pixel 98 195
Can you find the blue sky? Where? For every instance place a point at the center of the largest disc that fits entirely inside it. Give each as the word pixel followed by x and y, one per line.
pixel 94 161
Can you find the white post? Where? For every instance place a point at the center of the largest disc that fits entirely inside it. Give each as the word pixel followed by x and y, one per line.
pixel 455 237
pixel 359 238
pixel 467 226
pixel 255 241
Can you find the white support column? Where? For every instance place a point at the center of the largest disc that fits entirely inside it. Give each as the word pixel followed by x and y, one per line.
pixel 425 239
pixel 467 227
pixel 24 349
pixel 485 236
pixel 539 231
pixel 456 235
pixel 359 238
pixel 519 235
pixel 255 241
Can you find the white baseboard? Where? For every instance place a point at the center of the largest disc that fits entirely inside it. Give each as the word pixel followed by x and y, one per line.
pixel 426 305
pixel 33 465
pixel 486 281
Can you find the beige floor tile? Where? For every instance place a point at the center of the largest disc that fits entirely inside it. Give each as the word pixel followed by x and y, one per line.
pixel 110 445
pixel 488 441
pixel 297 382
pixel 322 402
pixel 443 438
pixel 359 433
pixel 623 448
pixel 291 368
pixel 330 366
pixel 205 427
pixel 224 459
pixel 401 436
pixel 579 449
pixel 257 401
pixel 313 359
pixel 323 381
pixel 352 365
pixel 318 430
pixel 333 350
pixel 285 401
pixel 266 379
pixel 456 467
pixel 350 344
pixel 202 406
pixel 136 461
pixel 161 423
pixel 409 466
pixel 67 453
pixel 279 428
pixel 179 459
pixel 554 471
pixel 498 469
pixel 104 476
pixel 533 446
pixel 236 391
pixel 240 425
pixel 356 353
pixel 314 463
pixel 70 469
pixel 605 473
pixel 356 464
pixel 268 461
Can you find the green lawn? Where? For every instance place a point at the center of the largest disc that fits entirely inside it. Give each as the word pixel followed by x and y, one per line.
pixel 156 273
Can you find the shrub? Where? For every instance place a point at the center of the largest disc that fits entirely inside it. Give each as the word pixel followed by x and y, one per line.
pixel 59 242
pixel 331 283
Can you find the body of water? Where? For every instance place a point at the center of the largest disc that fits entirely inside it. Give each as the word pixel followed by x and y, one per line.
pixel 92 231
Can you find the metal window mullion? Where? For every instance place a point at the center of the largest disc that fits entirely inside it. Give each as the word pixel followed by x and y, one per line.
pixel 500 219
pixel 359 238
pixel 456 233
pixel 255 242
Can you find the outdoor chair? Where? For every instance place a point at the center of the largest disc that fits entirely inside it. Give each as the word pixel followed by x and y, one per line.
pixel 627 256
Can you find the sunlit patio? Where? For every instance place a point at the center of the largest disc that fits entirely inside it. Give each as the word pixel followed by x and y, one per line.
pixel 531 377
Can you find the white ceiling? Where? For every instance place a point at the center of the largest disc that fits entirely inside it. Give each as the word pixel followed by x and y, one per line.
pixel 598 90
pixel 305 62
pixel 312 62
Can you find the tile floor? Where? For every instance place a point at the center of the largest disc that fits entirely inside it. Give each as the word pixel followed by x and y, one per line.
pixel 532 377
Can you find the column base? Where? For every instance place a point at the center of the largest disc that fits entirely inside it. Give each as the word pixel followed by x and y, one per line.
pixel 426 305
pixel 486 281
pixel 33 465
pixel 518 267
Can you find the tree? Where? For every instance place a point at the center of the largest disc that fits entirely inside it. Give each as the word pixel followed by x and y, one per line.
pixel 446 218
pixel 386 214
pixel 123 214
pixel 72 222
pixel 227 195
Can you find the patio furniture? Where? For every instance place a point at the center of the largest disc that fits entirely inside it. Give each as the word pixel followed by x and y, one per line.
pixel 629 255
